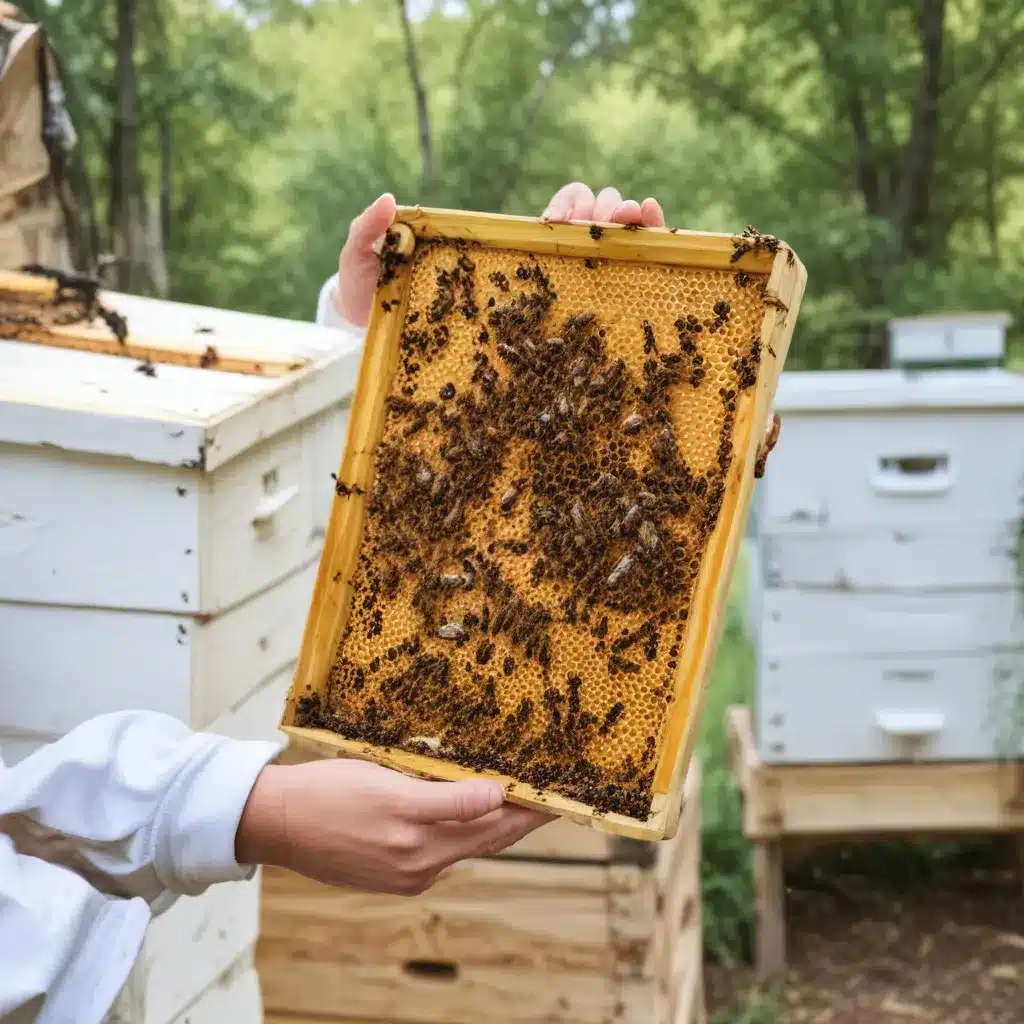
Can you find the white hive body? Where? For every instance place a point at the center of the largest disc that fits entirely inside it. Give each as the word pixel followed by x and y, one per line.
pixel 885 591
pixel 159 536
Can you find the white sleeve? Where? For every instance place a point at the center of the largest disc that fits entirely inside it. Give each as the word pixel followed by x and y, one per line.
pixel 66 949
pixel 136 803
pixel 326 313
pixel 98 830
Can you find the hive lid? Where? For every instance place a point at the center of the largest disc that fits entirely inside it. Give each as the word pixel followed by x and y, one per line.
pixel 880 390
pixel 547 471
pixel 189 385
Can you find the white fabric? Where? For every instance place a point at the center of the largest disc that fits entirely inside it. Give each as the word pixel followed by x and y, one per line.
pixel 99 831
pixel 326 313
pixel 105 828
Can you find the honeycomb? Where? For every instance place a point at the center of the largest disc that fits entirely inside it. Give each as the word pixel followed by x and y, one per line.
pixel 552 465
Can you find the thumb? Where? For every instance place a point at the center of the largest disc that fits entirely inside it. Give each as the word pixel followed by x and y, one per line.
pixel 371 224
pixel 433 802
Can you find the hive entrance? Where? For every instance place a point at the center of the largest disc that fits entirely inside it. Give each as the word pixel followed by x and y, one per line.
pixel 555 456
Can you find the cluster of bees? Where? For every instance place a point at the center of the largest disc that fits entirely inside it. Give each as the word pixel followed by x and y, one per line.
pixel 535 501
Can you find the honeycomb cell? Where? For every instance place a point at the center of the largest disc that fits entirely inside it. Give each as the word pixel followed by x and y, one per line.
pixel 529 562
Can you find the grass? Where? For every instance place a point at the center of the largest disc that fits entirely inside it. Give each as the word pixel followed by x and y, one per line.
pixel 726 856
pixel 728 887
pixel 753 1008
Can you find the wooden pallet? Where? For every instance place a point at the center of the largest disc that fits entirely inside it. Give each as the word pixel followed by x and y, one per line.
pixel 512 940
pixel 793 807
pixel 606 248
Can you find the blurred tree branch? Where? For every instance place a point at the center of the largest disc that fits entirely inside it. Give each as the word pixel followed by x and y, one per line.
pixel 420 95
pixel 744 105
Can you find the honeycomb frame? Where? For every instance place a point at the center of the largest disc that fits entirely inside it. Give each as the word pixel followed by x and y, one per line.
pixel 776 280
pixel 59 310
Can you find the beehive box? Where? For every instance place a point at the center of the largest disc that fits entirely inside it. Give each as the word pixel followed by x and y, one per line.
pixel 514 941
pixel 195 947
pixel 886 598
pixel 163 502
pixel 233 996
pixel 544 488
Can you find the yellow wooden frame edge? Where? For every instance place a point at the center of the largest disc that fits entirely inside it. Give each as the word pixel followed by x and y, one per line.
pixel 333 592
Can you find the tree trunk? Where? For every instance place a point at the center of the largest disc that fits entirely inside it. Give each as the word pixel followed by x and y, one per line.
pixel 126 213
pixel 422 110
pixel 919 166
pixel 166 153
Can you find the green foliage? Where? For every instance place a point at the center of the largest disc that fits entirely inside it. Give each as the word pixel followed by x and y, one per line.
pixel 284 118
pixel 821 112
pixel 726 859
pixel 754 1007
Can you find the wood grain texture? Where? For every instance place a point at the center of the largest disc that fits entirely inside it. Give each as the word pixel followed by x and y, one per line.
pixel 500 939
pixel 171 334
pixel 527 234
pixel 332 599
pixel 907 799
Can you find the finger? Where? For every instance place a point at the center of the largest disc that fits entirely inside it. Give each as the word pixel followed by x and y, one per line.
pixel 371 224
pixel 451 842
pixel 628 212
pixel 571 202
pixel 427 803
pixel 506 827
pixel 608 201
pixel 653 216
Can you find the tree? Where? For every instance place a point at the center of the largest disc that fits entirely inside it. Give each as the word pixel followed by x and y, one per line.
pixel 169 102
pixel 468 110
pixel 887 139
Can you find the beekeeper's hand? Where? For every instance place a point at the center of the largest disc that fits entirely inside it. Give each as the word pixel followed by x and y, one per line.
pixel 358 266
pixel 347 822
pixel 576 201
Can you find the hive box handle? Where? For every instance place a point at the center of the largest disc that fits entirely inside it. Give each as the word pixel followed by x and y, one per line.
pixel 912 475
pixel 432 970
pixel 910 724
pixel 267 510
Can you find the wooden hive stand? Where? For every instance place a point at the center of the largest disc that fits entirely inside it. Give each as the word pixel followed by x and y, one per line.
pixel 786 807
pixel 570 926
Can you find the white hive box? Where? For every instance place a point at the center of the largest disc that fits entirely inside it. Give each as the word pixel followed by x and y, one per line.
pixel 959 337
pixel 196 949
pixel 159 535
pixel 884 596
pixel 159 538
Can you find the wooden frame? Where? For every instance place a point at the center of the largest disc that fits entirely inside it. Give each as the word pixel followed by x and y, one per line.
pixel 330 607
pixel 88 337
pixel 785 806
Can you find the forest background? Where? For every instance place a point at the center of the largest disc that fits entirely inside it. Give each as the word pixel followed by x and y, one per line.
pixel 226 145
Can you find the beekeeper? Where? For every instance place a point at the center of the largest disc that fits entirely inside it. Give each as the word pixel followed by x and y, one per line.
pixel 106 827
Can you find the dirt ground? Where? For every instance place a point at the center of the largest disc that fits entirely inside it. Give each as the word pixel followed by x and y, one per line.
pixel 877 940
